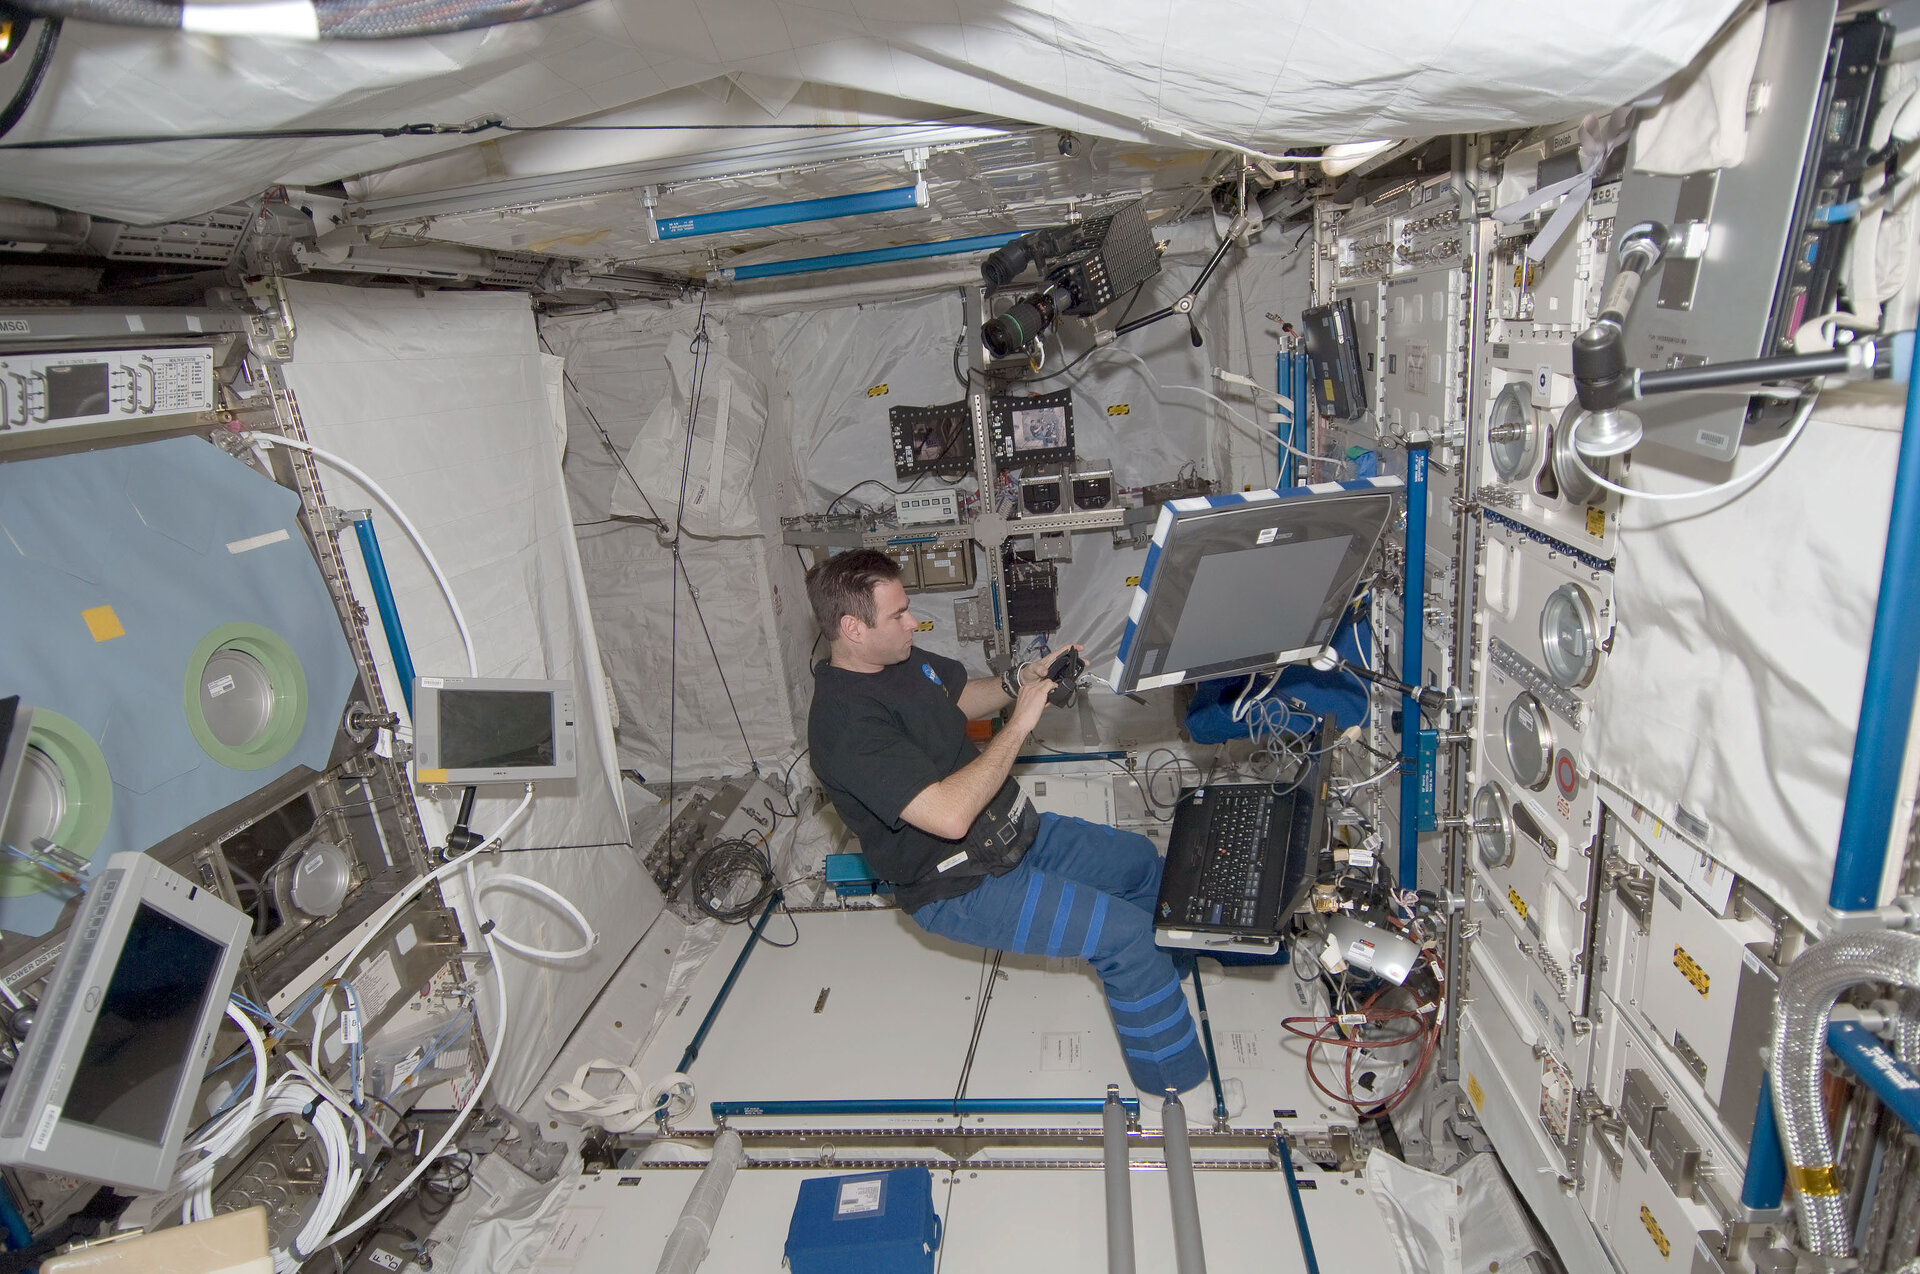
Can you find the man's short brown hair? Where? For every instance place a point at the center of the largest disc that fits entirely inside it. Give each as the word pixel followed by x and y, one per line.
pixel 844 585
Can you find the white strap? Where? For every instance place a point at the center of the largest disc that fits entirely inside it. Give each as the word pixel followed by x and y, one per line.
pixel 622 1110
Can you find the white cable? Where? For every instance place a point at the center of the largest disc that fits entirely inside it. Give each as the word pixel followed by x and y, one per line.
pixel 446 1138
pixel 1752 475
pixel 507 880
pixel 1259 435
pixel 1371 779
pixel 406 524
pixel 258 1044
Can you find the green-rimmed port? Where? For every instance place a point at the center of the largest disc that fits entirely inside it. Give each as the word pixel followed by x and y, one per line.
pixel 65 795
pixel 245 696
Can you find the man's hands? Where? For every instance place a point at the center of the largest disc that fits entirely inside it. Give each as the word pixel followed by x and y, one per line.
pixel 1036 669
pixel 1028 707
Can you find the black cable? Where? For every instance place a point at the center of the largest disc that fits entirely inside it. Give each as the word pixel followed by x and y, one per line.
pixel 1084 354
pixel 878 483
pixel 680 566
pixel 409 130
pixel 36 72
pixel 719 875
pixel 983 995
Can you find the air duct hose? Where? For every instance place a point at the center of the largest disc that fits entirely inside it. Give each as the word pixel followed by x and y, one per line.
pixel 1807 993
pixel 1906 1030
pixel 313 19
pixel 687 1245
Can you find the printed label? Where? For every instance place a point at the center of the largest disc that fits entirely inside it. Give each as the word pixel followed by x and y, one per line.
pixel 568 1241
pixel 1060 1051
pixel 859 1196
pixel 49 1120
pixel 1267 535
pixel 377 984
pixel 220 687
pixel 385 1259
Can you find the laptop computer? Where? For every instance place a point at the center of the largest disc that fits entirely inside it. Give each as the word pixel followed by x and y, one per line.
pixel 1241 859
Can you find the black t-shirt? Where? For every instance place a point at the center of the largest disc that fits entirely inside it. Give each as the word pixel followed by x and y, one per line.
pixel 879 739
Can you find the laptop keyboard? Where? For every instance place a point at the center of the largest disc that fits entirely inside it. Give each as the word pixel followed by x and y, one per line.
pixel 1236 857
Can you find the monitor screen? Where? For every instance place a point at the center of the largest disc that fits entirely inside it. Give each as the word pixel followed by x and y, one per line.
pixel 143 1034
pixel 490 729
pixel 931 439
pixel 1241 582
pixel 1032 429
pixel 1038 428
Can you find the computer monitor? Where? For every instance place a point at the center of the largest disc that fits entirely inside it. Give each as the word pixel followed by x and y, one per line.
pixel 931 440
pixel 492 730
pixel 1033 430
pixel 105 1085
pixel 1333 347
pixel 1240 582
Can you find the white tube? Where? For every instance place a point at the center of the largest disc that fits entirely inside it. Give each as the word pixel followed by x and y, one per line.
pixel 1258 434
pixel 687 1244
pixel 258 1044
pixel 406 524
pixel 1752 475
pixel 508 880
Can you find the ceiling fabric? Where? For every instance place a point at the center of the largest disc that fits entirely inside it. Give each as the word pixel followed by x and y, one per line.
pixel 1267 75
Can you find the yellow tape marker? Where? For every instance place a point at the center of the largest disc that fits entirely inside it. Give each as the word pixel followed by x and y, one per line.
pixel 1597 523
pixel 1476 1092
pixel 103 623
pixel 1690 970
pixel 1519 904
pixel 1654 1231
pixel 1120 409
pixel 926 626
pixel 874 391
pixel 431 776
pixel 1133 581
pixel 1820 1182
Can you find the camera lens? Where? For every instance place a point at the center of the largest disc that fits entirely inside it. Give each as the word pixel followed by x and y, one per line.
pixel 1010 333
pixel 1004 264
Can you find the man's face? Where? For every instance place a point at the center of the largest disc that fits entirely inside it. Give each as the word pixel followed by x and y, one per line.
pixel 891 636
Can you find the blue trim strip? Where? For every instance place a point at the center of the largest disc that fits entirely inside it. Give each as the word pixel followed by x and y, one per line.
pixel 1141 1006
pixel 1886 701
pixel 785 214
pixel 1897 1087
pixel 1166 1023
pixel 1026 911
pixel 1299 1210
pixel 1765 1183
pixel 383 601
pixel 1094 925
pixel 1185 1042
pixel 1413 608
pixel 873 256
pixel 1062 912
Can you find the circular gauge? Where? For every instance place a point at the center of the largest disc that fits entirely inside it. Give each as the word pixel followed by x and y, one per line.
pixel 1566 775
pixel 1492 830
pixel 245 696
pixel 1512 432
pixel 1529 742
pixel 1576 482
pixel 1570 636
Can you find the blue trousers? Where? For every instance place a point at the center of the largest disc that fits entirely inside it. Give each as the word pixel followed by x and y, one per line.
pixel 1086 890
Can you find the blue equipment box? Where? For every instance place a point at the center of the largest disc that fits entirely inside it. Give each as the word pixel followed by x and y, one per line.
pixel 873 1223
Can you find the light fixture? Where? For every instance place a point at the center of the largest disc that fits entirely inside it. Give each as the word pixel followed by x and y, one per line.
pixel 872 256
pixel 896 199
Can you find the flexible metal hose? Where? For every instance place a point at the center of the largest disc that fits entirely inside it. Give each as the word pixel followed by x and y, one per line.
pixel 1906 1034
pixel 1807 993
